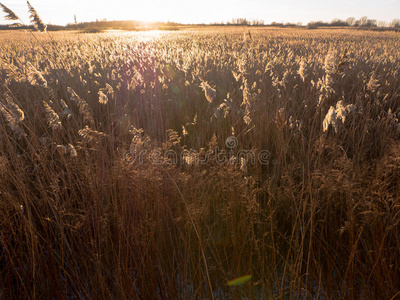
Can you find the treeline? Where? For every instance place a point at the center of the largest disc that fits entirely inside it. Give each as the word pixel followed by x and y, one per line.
pixel 120 25
pixel 31 27
pixel 352 22
pixel 244 21
pixel 102 25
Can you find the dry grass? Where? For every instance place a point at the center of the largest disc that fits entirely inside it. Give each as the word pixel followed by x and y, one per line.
pixel 82 216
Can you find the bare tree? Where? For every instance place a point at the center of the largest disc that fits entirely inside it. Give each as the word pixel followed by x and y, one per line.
pixel 351 21
pixel 395 23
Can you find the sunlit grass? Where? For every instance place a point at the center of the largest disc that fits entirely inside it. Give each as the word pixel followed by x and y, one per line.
pixel 93 203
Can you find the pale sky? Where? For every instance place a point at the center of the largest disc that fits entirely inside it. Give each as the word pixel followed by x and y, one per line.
pixel 204 11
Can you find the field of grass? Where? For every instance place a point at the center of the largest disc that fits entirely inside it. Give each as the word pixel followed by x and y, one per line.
pixel 167 164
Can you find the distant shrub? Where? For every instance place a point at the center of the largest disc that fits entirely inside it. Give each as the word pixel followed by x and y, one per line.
pixel 312 25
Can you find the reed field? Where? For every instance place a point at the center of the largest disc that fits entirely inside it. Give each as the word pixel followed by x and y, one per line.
pixel 206 163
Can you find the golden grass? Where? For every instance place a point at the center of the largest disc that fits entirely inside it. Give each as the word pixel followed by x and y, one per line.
pixel 83 216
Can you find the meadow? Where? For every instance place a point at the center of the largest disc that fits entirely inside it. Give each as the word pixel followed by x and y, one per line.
pixel 167 164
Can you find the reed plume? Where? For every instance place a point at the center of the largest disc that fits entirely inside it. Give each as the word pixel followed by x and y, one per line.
pixel 10 15
pixel 109 90
pixel 330 119
pixel 35 19
pixel 12 120
pixel 330 65
pixel 71 150
pixel 52 117
pixel 89 135
pixel 336 114
pixel 302 70
pixel 343 63
pixel 209 92
pixel 83 106
pixel 373 83
pixel 35 77
pixel 14 109
pixel 66 111
pixel 103 99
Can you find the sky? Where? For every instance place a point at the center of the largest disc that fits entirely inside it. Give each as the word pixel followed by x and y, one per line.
pixel 61 12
